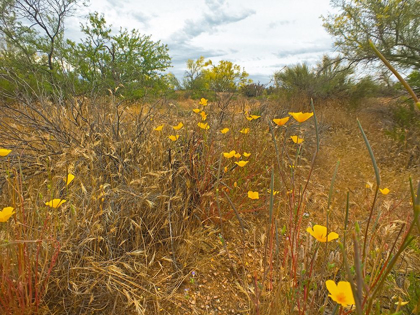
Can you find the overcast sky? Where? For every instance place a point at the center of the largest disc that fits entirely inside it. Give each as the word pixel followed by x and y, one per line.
pixel 262 36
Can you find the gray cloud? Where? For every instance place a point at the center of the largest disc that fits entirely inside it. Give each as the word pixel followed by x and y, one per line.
pixel 304 51
pixel 281 23
pixel 141 17
pixel 219 14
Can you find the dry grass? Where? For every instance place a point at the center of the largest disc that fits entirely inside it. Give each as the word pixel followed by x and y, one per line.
pixel 152 226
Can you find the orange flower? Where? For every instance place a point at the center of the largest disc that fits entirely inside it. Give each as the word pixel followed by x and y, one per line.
pixel 224 130
pixel 6 213
pixel 179 126
pixel 230 154
pixel 341 293
pixel 196 110
pixel 384 191
pixel 55 203
pixel 301 117
pixel 241 163
pixel 174 138
pixel 296 139
pixel 204 126
pixel 281 121
pixel 203 115
pixel 253 195
pixel 4 152
pixel 320 233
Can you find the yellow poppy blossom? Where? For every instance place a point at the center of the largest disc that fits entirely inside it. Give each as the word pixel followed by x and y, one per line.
pixel 301 117
pixel 255 116
pixel 238 155
pixel 173 138
pixel 230 154
pixel 225 169
pixel 159 128
pixel 247 154
pixel 253 195
pixel 69 179
pixel 179 126
pixel 55 203
pixel 241 163
pixel 204 126
pixel 224 130
pixel 249 118
pixel 244 131
pixel 341 293
pixel 320 233
pixel 203 102
pixel 203 115
pixel 384 191
pixel 296 139
pixel 4 152
pixel 196 110
pixel 6 213
pixel 281 121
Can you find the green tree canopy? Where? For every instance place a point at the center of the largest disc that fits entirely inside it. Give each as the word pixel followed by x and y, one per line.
pixel 106 61
pixel 393 26
pixel 223 77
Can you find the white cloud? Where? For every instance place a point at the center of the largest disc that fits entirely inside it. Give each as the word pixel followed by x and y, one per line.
pixel 260 36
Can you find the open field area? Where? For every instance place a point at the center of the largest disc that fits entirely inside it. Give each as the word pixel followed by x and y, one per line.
pixel 209 157
pixel 155 226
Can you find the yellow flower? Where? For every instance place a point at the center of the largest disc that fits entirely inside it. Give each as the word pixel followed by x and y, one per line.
pixel 235 184
pixel 196 110
pixel 249 118
pixel 341 293
pixel 241 163
pixel 255 116
pixel 301 117
pixel 224 130
pixel 203 102
pixel 384 191
pixel 4 152
pixel 230 154
pixel 174 138
pixel 203 115
pixel 226 169
pixel 55 203
pixel 69 179
pixel 296 139
pixel 253 195
pixel 244 131
pixel 204 126
pixel 247 154
pixel 179 126
pixel 281 121
pixel 369 185
pixel 275 192
pixel 159 128
pixel 6 213
pixel 320 233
